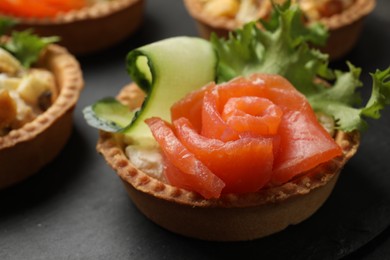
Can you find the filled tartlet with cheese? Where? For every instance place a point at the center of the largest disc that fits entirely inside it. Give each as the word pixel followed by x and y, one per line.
pixel 40 83
pixel 84 26
pixel 234 139
pixel 342 18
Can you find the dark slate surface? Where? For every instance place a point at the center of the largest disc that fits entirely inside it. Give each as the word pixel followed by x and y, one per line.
pixel 76 208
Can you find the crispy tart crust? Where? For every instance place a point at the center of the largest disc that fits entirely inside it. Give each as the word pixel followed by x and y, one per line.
pixel 92 28
pixel 344 29
pixel 26 150
pixel 232 217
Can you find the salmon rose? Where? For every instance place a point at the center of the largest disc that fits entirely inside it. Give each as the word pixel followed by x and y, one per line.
pixel 239 136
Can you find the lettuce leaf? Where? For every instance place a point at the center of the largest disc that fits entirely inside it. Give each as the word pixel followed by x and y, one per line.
pixel 282 47
pixel 341 99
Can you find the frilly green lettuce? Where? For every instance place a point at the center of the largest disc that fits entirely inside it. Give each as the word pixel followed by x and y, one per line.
pixel 282 48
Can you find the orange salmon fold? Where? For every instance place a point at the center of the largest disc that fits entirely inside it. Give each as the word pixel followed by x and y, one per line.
pixel 240 136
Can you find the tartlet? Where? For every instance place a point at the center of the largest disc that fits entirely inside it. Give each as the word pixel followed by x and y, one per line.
pixel 92 28
pixel 231 217
pixel 344 28
pixel 24 151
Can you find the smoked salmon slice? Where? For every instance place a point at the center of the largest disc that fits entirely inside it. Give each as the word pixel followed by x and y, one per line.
pixel 190 107
pixel 245 165
pixel 253 115
pixel 304 144
pixel 194 175
pixel 248 132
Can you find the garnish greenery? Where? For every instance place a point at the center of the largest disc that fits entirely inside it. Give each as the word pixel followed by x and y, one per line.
pixel 280 49
pixel 5 25
pixel 24 45
pixel 283 49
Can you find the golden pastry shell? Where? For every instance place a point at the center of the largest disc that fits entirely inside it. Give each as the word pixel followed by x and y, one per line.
pixel 93 28
pixel 344 28
pixel 26 150
pixel 232 217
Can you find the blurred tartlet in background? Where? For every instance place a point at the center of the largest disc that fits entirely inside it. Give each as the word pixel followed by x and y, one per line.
pixel 40 83
pixel 84 26
pixel 343 18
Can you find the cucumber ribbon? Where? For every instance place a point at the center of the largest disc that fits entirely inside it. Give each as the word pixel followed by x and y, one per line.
pixel 166 71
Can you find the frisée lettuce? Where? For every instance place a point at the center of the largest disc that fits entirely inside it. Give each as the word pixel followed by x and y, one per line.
pixel 283 49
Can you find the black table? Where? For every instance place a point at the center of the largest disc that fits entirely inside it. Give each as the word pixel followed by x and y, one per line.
pixel 76 207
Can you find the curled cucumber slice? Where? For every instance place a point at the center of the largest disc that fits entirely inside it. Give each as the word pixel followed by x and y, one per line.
pixel 166 71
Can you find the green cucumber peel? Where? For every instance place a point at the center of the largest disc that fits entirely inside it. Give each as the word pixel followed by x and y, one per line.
pixel 165 71
pixel 108 114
